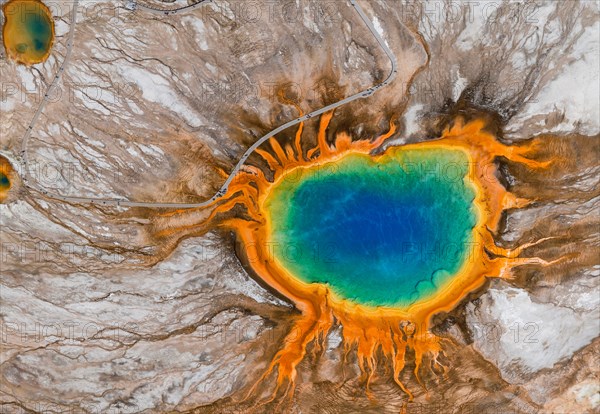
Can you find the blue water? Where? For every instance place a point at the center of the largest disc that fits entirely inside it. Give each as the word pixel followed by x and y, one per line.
pixel 4 181
pixel 377 234
pixel 39 29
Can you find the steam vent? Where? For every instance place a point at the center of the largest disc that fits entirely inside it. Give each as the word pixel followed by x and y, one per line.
pixel 305 207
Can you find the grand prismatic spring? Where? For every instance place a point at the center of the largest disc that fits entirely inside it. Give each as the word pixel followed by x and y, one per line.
pixel 314 233
pixel 307 207
pixel 28 31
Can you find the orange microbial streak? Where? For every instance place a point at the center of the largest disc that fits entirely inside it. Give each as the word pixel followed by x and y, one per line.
pixel 374 333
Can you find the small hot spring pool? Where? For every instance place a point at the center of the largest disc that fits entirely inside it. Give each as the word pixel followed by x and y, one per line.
pixel 28 31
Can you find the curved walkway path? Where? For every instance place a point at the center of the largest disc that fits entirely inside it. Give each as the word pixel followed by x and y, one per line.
pixel 244 157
